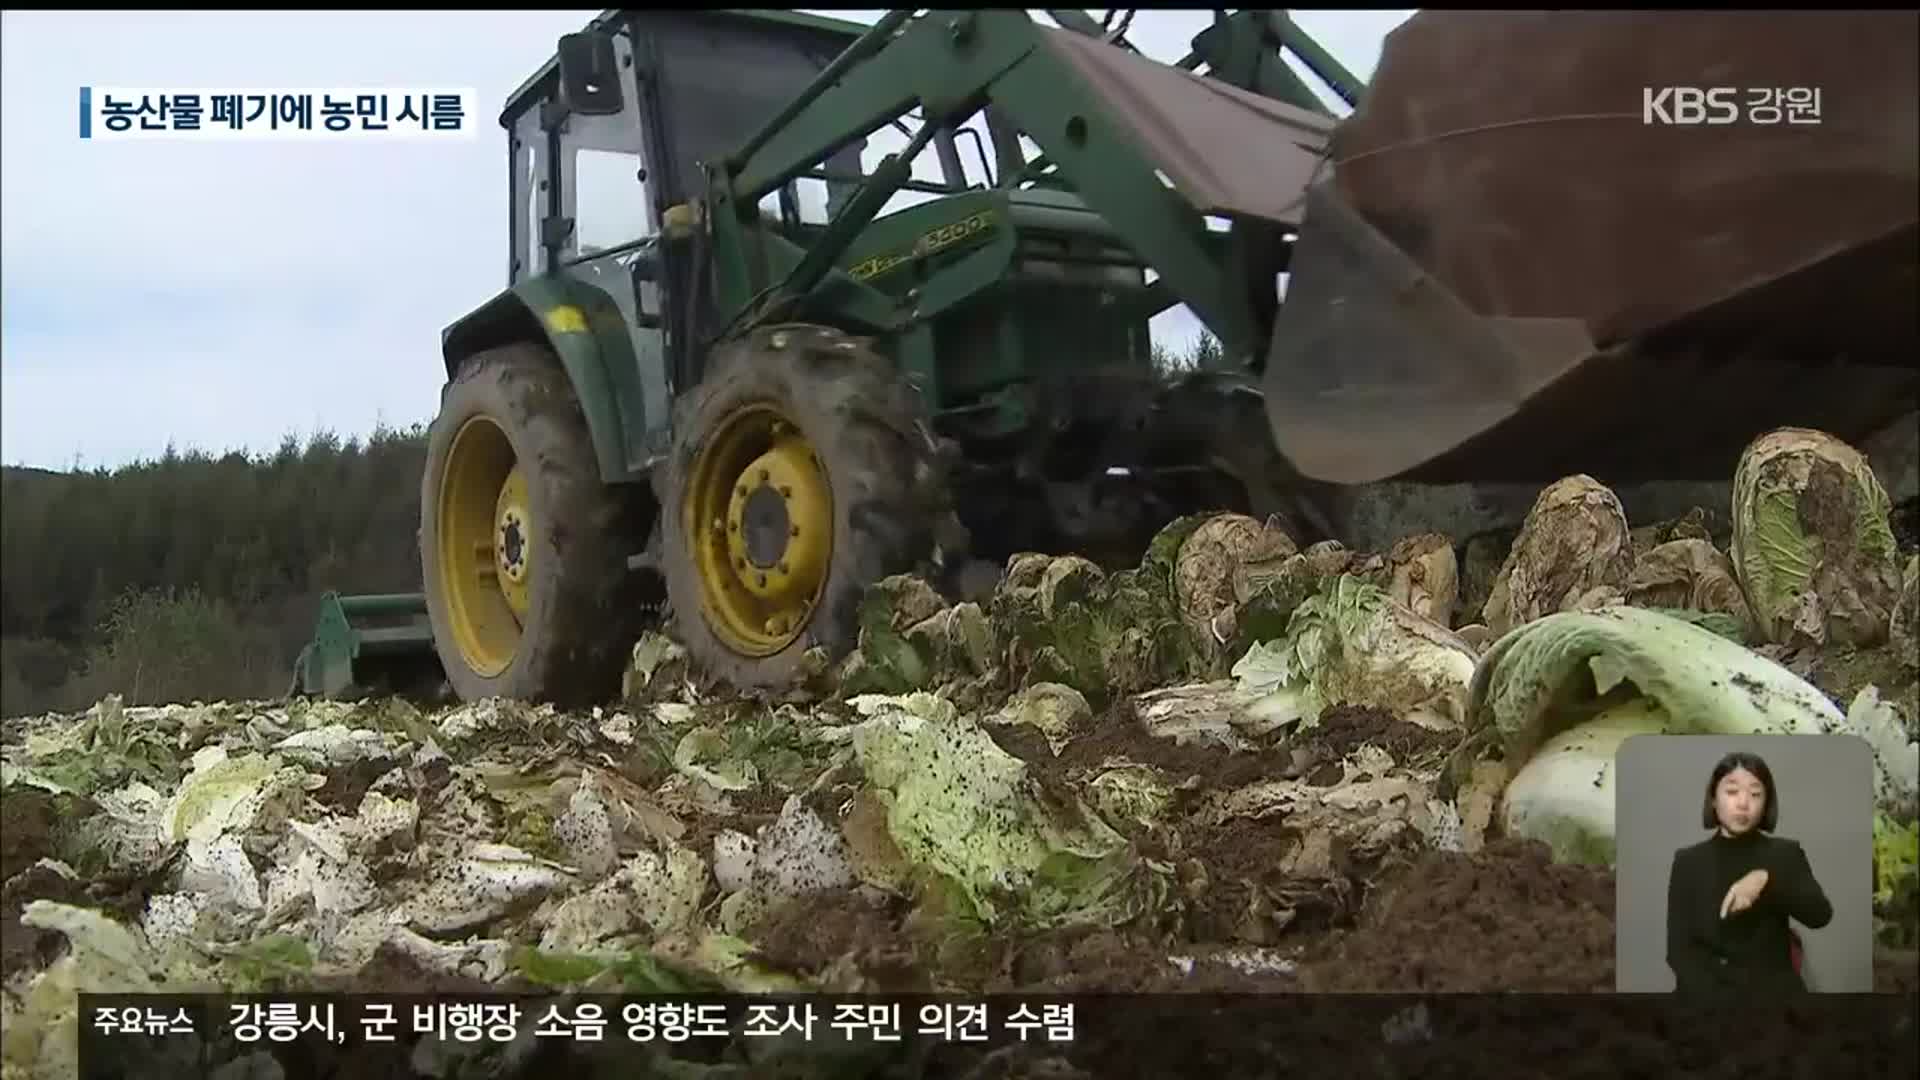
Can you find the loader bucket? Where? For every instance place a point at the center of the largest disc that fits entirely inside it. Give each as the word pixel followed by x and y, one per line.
pixel 379 643
pixel 1512 268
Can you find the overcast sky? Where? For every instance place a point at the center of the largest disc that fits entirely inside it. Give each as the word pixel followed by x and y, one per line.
pixel 222 296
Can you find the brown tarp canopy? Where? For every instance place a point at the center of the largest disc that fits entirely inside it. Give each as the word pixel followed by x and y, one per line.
pixel 1231 152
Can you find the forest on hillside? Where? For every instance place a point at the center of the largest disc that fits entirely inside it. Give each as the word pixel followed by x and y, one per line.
pixel 198 576
pixel 195 576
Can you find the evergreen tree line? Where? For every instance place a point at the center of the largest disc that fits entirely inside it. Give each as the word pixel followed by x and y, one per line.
pixel 198 577
pixel 195 576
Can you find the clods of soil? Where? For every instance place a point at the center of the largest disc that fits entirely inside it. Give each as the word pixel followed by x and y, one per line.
pixel 1506 918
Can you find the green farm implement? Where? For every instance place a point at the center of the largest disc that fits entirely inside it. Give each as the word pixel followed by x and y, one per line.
pixel 365 644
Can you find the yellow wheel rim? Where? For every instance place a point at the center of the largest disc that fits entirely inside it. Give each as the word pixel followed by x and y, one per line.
pixel 759 517
pixel 485 550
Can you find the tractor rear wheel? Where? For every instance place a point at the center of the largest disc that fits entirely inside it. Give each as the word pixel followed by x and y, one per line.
pixel 522 547
pixel 801 473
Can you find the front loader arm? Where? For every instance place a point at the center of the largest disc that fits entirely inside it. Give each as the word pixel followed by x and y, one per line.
pixel 1101 114
pixel 1248 49
pixel 878 80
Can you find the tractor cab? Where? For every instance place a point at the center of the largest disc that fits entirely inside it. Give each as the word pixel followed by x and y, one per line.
pixel 611 138
pixel 614 129
pixel 609 135
pixel 614 137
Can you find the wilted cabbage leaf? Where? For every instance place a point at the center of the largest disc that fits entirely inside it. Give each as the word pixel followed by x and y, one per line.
pixel 1063 620
pixel 216 791
pixel 1218 566
pixel 1727 626
pixel 1568 688
pixel 706 754
pixel 1128 792
pixel 1566 668
pixel 1896 774
pixel 1896 857
pixel 1903 634
pixel 1351 643
pixel 1052 710
pixel 1425 576
pixel 1574 540
pixel 970 813
pixel 729 959
pixel 1564 795
pixel 1691 575
pixel 100 749
pixel 1811 540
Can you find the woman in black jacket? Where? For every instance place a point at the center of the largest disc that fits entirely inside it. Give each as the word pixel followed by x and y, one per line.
pixel 1729 897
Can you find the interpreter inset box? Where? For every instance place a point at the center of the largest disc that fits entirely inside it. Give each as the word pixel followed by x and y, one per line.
pixel 1744 865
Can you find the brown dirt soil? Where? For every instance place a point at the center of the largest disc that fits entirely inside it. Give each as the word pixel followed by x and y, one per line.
pixel 1115 734
pixel 1346 728
pixel 346 787
pixel 808 935
pixel 1841 673
pixel 391 971
pixel 1342 730
pixel 1247 898
pixel 1107 961
pixel 26 830
pixel 1504 919
pixel 1236 894
pixel 28 820
pixel 1066 961
pixel 896 952
pixel 20 945
pixel 26 837
pixel 1242 858
pixel 754 808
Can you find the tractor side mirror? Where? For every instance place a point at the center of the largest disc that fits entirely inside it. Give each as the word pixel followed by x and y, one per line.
pixel 590 74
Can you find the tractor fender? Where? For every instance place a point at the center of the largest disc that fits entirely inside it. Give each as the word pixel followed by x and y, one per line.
pixel 585 330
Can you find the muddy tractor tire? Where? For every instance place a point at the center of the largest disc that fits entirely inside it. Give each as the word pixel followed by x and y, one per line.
pixel 802 471
pixel 522 547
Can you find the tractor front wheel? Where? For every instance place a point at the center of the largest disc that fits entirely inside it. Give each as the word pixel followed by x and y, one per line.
pixel 800 474
pixel 522 547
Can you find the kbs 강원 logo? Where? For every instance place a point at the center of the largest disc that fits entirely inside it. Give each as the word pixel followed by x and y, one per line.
pixel 1689 105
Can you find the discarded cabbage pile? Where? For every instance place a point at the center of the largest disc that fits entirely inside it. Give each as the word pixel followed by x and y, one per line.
pixel 885 842
pixel 1804 625
pixel 1191 774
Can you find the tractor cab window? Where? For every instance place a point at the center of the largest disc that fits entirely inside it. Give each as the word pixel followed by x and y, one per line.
pixel 591 119
pixel 611 198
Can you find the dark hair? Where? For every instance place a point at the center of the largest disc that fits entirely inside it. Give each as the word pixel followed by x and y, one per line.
pixel 1741 759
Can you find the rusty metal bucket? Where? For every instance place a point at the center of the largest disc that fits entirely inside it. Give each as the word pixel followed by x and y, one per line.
pixel 1513 269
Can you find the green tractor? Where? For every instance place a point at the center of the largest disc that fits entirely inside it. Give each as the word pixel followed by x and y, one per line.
pixel 732 376
pixel 723 382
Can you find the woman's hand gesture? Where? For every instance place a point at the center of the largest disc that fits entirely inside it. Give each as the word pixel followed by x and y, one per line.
pixel 1743 893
